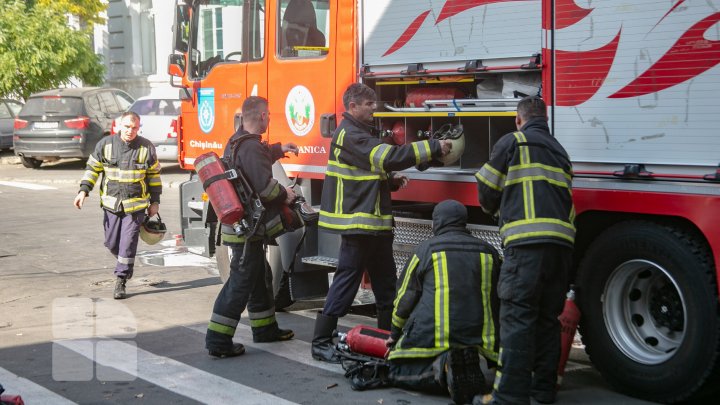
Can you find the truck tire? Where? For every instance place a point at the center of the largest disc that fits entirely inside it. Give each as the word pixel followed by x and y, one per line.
pixel 30 163
pixel 649 303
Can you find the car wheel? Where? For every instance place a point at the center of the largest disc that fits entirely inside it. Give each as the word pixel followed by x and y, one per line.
pixel 649 310
pixel 30 163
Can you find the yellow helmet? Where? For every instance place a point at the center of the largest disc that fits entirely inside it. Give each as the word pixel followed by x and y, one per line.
pixel 153 230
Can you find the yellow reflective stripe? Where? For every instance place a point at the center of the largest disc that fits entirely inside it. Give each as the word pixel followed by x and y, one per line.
pixel 537 227
pixel 415 352
pixel 377 157
pixel 422 150
pixel 349 172
pixel 409 273
pixel 416 150
pixel 94 164
pixel 489 176
pixel 142 154
pixel 340 140
pixel 257 323
pixel 442 300
pixel 528 200
pixel 488 333
pixel 225 330
pixel 338 196
pixel 90 176
pixel 271 191
pixel 358 220
pixel 538 171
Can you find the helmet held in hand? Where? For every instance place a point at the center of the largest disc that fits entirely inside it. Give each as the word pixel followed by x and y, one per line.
pixel 152 230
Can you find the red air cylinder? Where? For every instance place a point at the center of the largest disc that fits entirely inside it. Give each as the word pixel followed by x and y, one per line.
pixel 398 133
pixel 367 340
pixel 416 98
pixel 220 190
pixel 569 319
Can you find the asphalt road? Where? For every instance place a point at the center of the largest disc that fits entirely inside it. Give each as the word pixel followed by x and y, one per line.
pixel 63 339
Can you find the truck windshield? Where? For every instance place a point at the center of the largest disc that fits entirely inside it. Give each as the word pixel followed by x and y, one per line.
pixel 218 30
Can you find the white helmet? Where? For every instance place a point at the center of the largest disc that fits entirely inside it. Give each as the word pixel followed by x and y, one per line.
pixel 455 134
pixel 152 231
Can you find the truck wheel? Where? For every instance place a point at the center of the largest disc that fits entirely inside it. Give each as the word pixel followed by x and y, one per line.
pixel 223 255
pixel 30 163
pixel 649 303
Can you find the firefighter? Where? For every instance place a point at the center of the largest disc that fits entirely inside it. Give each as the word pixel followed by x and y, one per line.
pixel 528 180
pixel 130 186
pixel 446 310
pixel 356 204
pixel 250 281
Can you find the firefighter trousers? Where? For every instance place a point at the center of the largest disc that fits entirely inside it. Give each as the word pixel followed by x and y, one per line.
pixel 249 284
pixel 421 374
pixel 121 238
pixel 532 285
pixel 359 253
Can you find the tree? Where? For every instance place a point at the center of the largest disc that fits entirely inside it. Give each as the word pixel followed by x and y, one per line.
pixel 38 51
pixel 88 10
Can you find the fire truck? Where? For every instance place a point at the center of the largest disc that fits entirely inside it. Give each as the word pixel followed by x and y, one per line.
pixel 631 88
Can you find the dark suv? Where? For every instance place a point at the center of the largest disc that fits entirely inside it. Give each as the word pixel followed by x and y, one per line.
pixel 66 123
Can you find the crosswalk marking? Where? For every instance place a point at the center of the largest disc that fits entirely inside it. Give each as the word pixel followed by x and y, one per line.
pixel 295 350
pixel 30 392
pixel 28 186
pixel 175 376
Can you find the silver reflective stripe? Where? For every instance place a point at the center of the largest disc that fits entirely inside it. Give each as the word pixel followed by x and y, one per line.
pixel 224 320
pixel 108 200
pixel 126 260
pixel 491 177
pixel 262 315
pixel 537 227
pixel 124 175
pixel 377 157
pixel 537 171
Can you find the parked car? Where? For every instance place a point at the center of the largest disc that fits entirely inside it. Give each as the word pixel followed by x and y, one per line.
pixel 158 121
pixel 66 123
pixel 9 109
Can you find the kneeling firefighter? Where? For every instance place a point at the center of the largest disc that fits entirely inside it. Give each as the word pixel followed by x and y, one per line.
pixel 250 281
pixel 446 312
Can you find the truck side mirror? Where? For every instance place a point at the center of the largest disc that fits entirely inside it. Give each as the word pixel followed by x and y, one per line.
pixel 328 124
pixel 176 65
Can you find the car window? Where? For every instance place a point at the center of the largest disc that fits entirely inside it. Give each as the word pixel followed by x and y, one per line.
pixel 52 105
pixel 108 102
pixel 123 100
pixel 4 111
pixel 15 107
pixel 93 103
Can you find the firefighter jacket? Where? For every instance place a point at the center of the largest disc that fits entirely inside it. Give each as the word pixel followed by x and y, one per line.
pixel 254 159
pixel 131 174
pixel 446 294
pixel 528 179
pixel 356 191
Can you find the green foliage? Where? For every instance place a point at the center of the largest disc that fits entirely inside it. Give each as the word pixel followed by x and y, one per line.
pixel 87 10
pixel 38 51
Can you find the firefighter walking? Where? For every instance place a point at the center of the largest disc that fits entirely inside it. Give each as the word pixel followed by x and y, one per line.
pixel 130 186
pixel 356 204
pixel 528 180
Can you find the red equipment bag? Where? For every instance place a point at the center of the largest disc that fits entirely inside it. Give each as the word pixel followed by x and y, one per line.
pixel 569 319
pixel 220 190
pixel 368 341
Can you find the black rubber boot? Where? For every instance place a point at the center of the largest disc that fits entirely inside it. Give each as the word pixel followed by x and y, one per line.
pixel 463 374
pixel 384 319
pixel 323 347
pixel 271 333
pixel 119 292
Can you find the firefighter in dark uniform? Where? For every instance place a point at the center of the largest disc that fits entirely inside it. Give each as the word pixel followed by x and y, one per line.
pixel 528 180
pixel 356 204
pixel 446 310
pixel 130 186
pixel 249 284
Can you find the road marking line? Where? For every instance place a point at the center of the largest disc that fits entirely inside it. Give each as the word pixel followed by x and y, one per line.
pixel 28 186
pixel 175 376
pixel 295 350
pixel 30 392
